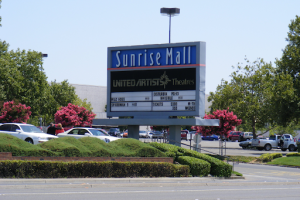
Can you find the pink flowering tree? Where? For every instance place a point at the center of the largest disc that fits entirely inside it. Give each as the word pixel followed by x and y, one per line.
pixel 12 111
pixel 228 122
pixel 73 115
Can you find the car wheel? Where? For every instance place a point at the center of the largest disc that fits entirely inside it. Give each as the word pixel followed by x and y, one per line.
pixel 283 149
pixel 29 140
pixel 268 147
pixel 292 147
pixel 244 147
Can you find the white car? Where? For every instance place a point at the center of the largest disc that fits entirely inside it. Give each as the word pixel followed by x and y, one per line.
pixel 26 132
pixel 80 132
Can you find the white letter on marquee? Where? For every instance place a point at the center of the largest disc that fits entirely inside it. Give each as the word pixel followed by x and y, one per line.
pixel 183 55
pixel 140 54
pixel 145 57
pixel 119 62
pixel 132 60
pixel 157 58
pixel 169 54
pixel 125 56
pixel 178 58
pixel 151 63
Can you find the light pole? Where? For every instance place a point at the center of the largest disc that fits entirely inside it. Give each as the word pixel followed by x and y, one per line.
pixel 170 12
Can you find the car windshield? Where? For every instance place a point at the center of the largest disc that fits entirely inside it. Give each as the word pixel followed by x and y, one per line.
pixel 97 132
pixel 103 131
pixel 30 129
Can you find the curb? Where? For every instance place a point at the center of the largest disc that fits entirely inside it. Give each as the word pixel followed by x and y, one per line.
pixel 85 184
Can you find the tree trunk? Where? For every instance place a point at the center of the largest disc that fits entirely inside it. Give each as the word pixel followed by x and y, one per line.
pixel 253 127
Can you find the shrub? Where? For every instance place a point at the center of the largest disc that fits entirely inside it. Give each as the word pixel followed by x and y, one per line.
pixel 44 169
pixel 18 147
pixel 267 157
pixel 276 155
pixel 74 115
pixel 198 167
pixel 292 154
pixel 14 112
pixel 218 167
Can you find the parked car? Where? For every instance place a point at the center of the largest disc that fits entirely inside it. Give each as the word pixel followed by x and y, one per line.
pixel 150 134
pixel 114 132
pixel 274 142
pixel 79 132
pixel 184 134
pixel 144 134
pixel 245 136
pixel 234 135
pixel 245 144
pixel 210 137
pixel 157 134
pixel 124 134
pixel 26 132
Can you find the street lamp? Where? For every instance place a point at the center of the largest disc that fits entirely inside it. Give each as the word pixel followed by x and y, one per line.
pixel 170 12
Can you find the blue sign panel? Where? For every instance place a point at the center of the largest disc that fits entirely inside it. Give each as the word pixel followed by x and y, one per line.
pixel 148 57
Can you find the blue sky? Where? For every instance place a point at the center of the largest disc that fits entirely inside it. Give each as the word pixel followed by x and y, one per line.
pixel 76 33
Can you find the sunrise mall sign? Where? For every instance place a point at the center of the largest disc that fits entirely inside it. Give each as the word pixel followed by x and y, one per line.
pixel 156 80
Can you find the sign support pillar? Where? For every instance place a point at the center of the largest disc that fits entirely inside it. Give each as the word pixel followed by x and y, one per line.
pixel 133 131
pixel 175 135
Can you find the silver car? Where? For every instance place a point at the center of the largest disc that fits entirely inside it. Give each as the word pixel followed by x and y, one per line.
pixel 80 132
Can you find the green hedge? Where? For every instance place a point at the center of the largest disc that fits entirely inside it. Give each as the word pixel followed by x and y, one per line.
pixel 198 167
pixel 18 147
pixel 218 167
pixel 44 169
pixel 268 157
pixel 292 154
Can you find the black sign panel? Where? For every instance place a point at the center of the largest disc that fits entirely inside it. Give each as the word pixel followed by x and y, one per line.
pixel 153 80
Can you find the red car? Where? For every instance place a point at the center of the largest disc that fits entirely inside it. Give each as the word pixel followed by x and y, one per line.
pixel 234 135
pixel 184 134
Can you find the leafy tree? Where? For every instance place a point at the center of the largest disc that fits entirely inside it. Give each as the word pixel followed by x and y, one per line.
pixel 228 122
pixel 290 64
pixel 22 77
pixel 12 111
pixel 63 93
pixel 73 115
pixel 253 94
pixel 83 103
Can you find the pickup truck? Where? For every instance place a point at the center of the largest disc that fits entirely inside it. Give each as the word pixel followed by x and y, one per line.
pixel 274 142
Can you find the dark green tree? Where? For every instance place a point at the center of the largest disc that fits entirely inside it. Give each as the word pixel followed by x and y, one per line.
pixel 290 64
pixel 251 94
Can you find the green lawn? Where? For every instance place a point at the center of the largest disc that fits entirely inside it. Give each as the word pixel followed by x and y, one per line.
pixel 287 161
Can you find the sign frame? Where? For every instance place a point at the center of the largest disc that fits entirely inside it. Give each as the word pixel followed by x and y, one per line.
pixel 199 65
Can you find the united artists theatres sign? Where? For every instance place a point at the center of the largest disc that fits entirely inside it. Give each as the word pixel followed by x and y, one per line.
pixel 156 80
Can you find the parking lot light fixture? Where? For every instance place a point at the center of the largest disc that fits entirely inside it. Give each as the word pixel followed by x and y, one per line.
pixel 170 12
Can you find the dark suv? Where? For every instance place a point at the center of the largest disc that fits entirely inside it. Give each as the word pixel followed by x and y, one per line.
pixel 114 132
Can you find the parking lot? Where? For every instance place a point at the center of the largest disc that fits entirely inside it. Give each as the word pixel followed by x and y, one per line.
pixel 229 148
